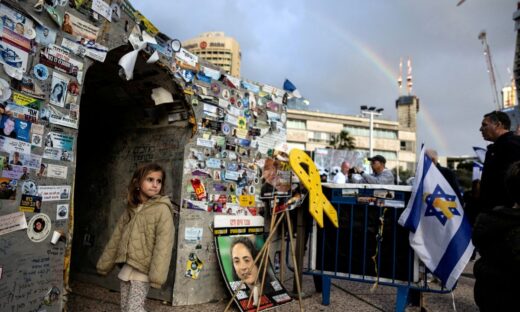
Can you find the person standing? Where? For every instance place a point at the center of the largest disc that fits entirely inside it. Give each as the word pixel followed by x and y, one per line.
pixel 379 175
pixel 496 234
pixel 143 239
pixel 504 150
pixel 342 176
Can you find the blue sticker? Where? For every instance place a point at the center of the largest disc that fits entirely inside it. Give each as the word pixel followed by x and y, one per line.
pixel 226 129
pixel 41 72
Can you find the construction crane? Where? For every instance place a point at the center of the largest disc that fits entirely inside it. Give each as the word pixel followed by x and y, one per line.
pixel 490 69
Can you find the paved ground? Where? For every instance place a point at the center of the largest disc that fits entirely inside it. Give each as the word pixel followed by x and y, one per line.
pixel 345 296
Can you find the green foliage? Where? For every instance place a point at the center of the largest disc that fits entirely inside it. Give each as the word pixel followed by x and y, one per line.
pixel 342 141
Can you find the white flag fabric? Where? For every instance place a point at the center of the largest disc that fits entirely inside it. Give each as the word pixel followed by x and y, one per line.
pixel 480 152
pixel 477 171
pixel 439 233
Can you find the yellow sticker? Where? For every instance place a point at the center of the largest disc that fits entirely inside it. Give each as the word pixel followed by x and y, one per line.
pixel 247 200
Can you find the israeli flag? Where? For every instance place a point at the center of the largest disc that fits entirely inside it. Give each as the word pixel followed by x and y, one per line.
pixel 480 152
pixel 289 86
pixel 439 233
pixel 477 171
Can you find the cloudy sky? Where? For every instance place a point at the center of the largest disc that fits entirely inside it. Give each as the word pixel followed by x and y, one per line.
pixel 344 54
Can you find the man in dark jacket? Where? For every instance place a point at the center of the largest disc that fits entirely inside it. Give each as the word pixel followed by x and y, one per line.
pixel 497 236
pixel 504 151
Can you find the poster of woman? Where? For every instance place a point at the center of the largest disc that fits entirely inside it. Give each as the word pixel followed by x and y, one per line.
pixel 237 254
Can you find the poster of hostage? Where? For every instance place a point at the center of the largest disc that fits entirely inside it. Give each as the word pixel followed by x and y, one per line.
pixel 239 239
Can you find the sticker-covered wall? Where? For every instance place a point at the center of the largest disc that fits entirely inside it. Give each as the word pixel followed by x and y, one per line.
pixel 141 98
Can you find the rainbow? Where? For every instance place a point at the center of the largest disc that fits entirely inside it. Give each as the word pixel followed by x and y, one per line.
pixel 425 118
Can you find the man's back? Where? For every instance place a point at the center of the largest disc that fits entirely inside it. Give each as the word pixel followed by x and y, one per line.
pixel 500 155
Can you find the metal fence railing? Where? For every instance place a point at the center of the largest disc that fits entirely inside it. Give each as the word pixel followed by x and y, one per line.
pixel 369 245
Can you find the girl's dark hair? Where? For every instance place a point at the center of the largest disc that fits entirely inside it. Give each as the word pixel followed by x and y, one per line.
pixel 139 174
pixel 512 182
pixel 249 245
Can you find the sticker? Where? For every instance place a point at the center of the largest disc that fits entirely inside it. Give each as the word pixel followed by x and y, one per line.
pixel 59 58
pixel 193 266
pixel 44 35
pixel 198 187
pixel 77 27
pixel 13 72
pixel 54 192
pixel 13 56
pixel 225 94
pixel 30 203
pixel 39 227
pixel 8 188
pixel 52 296
pixel 58 89
pixel 193 234
pixel 30 187
pixel 5 90
pixel 195 204
pixel 242 123
pixel 215 88
pixel 41 72
pixel 15 128
pixel 56 171
pixel 62 211
pixel 246 200
pixel 12 222
pixel 226 129
pixel 219 187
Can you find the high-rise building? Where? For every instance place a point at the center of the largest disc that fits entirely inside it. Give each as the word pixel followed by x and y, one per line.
pixel 217 48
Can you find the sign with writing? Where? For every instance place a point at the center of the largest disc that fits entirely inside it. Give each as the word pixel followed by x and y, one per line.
pixel 59 58
pixel 12 222
pixel 54 192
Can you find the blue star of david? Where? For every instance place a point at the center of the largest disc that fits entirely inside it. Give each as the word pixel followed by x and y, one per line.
pixel 436 211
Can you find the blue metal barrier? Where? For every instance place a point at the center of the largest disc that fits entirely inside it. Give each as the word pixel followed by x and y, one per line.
pixel 369 246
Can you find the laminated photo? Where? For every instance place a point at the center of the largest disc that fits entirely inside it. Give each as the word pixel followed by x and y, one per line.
pixel 16 21
pixel 58 89
pixel 45 35
pixel 13 56
pixel 75 26
pixel 238 240
pixel 86 47
pixel 59 140
pixel 15 128
pixel 54 192
pixel 8 188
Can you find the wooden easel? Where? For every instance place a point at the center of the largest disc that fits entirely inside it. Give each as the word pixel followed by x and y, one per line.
pixel 263 256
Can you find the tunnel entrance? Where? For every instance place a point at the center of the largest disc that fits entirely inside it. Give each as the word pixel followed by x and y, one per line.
pixel 121 127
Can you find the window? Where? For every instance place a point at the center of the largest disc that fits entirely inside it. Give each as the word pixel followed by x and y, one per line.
pixel 319 137
pixel 386 154
pixel 296 124
pixel 407 146
pixel 378 133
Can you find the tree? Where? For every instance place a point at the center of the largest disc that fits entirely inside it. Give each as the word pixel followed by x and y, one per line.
pixel 342 141
pixel 404 175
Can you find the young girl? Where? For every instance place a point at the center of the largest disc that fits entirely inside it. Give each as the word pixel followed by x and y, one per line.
pixel 143 239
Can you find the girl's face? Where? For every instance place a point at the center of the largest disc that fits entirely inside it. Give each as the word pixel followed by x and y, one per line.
pixel 150 185
pixel 243 262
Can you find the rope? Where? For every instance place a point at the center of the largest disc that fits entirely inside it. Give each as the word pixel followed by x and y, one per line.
pixel 379 239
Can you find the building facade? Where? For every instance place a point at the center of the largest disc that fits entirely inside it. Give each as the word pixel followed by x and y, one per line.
pixel 218 49
pixel 395 140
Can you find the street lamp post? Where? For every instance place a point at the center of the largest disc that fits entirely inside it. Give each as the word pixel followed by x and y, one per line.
pixel 371 112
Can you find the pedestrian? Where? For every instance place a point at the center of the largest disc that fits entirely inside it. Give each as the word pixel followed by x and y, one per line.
pixel 142 241
pixel 342 176
pixel 379 175
pixel 447 173
pixel 497 236
pixel 504 150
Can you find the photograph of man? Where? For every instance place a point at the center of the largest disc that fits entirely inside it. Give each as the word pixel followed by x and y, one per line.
pixel 8 127
pixel 67 25
pixel 16 159
pixel 379 175
pixel 44 35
